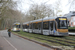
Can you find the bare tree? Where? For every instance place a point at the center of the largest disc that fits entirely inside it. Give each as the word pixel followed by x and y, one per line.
pixel 72 5
pixel 5 5
pixel 13 16
pixel 57 8
pixel 40 11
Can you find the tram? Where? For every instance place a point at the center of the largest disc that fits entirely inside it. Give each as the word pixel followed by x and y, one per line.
pixel 25 26
pixel 16 27
pixel 57 26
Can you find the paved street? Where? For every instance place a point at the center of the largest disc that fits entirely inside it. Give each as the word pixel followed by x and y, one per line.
pixel 16 43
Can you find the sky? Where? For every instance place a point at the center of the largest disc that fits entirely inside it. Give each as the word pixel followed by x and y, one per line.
pixel 23 5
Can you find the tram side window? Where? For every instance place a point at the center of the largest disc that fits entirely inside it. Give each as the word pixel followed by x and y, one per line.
pixel 46 25
pixel 19 26
pixel 30 26
pixel 27 26
pixel 39 25
pixel 51 25
pixel 55 25
pixel 36 25
pixel 33 25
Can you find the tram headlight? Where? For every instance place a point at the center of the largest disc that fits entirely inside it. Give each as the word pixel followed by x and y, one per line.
pixel 14 28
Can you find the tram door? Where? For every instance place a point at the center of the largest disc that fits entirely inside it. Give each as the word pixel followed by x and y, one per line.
pixel 51 27
pixel 39 27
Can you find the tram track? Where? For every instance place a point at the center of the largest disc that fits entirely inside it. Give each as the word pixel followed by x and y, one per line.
pixel 62 39
pixel 66 43
pixel 69 38
pixel 55 42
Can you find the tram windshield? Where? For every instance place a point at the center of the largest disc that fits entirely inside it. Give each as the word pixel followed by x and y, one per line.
pixel 16 26
pixel 62 24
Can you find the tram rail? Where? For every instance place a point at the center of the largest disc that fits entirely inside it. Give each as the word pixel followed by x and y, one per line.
pixel 54 40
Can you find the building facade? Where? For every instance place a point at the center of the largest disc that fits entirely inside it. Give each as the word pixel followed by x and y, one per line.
pixel 71 18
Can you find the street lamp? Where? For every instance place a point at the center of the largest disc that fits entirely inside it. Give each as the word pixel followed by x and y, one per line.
pixel 34 14
pixel 34 17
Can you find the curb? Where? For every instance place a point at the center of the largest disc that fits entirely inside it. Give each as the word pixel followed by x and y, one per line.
pixel 43 44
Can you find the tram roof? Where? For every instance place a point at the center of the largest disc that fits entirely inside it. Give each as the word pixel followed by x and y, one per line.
pixel 49 18
pixel 37 20
pixel 40 20
pixel 26 23
pixel 44 19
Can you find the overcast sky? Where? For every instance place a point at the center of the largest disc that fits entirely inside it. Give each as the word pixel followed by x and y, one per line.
pixel 23 5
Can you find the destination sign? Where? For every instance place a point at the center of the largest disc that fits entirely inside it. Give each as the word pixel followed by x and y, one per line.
pixel 17 24
pixel 62 18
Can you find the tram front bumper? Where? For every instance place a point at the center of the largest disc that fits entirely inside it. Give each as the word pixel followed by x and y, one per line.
pixel 16 30
pixel 61 34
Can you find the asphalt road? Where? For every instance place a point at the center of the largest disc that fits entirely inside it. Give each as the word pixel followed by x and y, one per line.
pixel 17 43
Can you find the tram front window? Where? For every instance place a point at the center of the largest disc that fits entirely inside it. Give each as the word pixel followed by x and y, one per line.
pixel 17 26
pixel 62 24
